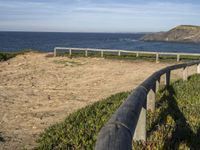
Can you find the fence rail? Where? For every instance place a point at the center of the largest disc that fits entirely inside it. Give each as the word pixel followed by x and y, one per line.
pixel 119 52
pixel 129 121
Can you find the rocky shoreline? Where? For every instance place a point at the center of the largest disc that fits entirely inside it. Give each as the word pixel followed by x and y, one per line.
pixel 182 33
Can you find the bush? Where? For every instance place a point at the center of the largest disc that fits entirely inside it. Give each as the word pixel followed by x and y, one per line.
pixel 5 56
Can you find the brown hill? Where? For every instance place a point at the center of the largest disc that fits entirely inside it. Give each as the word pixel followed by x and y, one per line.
pixel 182 33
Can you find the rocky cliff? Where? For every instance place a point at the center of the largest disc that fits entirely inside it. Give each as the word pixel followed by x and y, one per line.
pixel 182 33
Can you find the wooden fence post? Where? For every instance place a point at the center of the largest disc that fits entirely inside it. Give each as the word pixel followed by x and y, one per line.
pixel 157 85
pixel 167 78
pixel 151 99
pixel 70 52
pixel 157 57
pixel 119 53
pixel 185 73
pixel 137 54
pixel 101 53
pixel 198 68
pixel 54 52
pixel 86 53
pixel 140 131
pixel 178 58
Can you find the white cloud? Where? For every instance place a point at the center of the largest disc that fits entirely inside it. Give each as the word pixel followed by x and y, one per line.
pixel 84 15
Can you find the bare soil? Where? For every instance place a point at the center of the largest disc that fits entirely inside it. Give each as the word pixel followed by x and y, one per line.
pixel 37 91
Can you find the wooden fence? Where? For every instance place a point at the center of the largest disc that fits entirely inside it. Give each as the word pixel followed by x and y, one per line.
pixel 129 121
pixel 119 52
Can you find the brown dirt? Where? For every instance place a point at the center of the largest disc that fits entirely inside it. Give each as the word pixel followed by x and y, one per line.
pixel 37 91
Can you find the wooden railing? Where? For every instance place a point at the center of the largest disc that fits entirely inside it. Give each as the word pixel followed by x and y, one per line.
pixel 119 52
pixel 129 121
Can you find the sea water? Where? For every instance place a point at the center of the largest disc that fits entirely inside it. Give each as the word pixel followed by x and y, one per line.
pixel 46 41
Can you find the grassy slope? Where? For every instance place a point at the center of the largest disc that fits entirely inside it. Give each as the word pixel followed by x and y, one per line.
pixel 175 124
pixel 80 129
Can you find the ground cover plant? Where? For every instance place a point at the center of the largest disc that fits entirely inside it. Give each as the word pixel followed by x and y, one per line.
pixel 176 121
pixel 108 55
pixel 174 125
pixel 4 56
pixel 80 129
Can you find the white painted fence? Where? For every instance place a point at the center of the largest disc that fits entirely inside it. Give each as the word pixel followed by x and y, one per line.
pixel 137 53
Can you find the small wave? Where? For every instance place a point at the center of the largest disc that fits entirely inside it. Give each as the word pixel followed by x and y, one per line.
pixel 128 40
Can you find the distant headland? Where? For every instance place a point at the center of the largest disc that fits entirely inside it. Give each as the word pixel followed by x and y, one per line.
pixel 182 33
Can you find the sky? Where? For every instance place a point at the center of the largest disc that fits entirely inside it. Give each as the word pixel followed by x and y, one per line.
pixel 97 15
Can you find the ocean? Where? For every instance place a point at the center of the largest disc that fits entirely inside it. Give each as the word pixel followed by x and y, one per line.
pixel 46 41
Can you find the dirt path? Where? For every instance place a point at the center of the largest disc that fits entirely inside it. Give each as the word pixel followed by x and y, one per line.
pixel 36 91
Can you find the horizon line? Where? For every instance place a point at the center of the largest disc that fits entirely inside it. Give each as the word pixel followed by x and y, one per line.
pixel 139 32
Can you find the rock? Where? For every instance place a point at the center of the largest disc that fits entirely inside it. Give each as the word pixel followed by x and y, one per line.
pixel 182 33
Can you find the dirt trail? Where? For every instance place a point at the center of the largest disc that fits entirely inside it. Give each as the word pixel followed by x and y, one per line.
pixel 37 91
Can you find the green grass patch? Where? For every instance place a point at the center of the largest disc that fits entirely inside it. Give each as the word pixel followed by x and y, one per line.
pixel 129 56
pixel 80 129
pixel 176 121
pixel 174 125
pixel 4 56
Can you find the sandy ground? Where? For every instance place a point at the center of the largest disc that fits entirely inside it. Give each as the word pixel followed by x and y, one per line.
pixel 37 91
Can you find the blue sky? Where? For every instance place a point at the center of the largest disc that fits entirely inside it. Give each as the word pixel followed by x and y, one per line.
pixel 97 15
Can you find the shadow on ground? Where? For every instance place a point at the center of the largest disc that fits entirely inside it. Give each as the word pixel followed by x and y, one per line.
pixel 182 132
pixel 1 138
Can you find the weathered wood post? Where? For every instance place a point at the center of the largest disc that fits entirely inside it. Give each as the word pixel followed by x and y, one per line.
pixel 137 54
pixel 151 98
pixel 70 52
pixel 119 53
pixel 140 131
pixel 86 53
pixel 157 57
pixel 167 78
pixel 101 53
pixel 178 57
pixel 54 52
pixel 198 68
pixel 185 73
pixel 157 85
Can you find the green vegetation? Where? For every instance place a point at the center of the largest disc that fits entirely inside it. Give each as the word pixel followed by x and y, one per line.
pixel 176 121
pixel 108 55
pixel 188 27
pixel 126 56
pixel 80 129
pixel 4 56
pixel 174 125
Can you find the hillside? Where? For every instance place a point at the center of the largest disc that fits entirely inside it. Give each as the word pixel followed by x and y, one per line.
pixel 174 125
pixel 37 91
pixel 182 33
